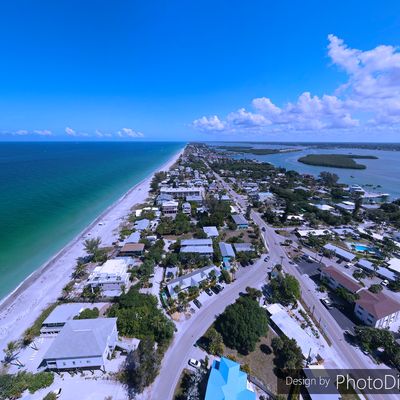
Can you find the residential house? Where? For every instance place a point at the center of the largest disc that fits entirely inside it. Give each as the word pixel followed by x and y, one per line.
pixel 227 252
pixel 193 279
pixel 243 247
pixel 132 250
pixel 199 246
pixel 62 314
pixel 228 382
pixel 82 344
pixel 240 221
pixel 210 231
pixel 162 198
pixel 112 275
pixel 142 224
pixel 186 208
pixel 170 208
pixel 195 199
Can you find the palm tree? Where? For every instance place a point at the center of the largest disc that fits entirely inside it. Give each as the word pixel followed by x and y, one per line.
pixel 92 247
pixel 10 352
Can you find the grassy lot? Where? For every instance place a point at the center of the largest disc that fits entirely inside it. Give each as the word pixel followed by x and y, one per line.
pixel 260 361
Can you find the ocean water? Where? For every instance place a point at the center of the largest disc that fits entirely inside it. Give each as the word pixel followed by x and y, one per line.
pixel 51 191
pixel 384 171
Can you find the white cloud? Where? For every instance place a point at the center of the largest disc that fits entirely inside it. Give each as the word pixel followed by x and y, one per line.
pixel 43 132
pixel 21 132
pixel 70 132
pixel 129 133
pixel 370 96
pixel 212 123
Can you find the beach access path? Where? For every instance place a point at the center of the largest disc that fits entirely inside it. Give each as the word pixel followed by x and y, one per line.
pixel 20 309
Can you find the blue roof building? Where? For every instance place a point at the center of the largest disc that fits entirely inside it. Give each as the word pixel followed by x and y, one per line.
pixel 228 382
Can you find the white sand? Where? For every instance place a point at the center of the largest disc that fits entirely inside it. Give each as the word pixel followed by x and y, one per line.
pixel 19 310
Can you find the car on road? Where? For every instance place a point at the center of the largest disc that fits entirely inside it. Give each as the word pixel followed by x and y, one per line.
pixel 327 303
pixel 57 392
pixel 197 303
pixel 266 258
pixel 385 282
pixel 194 363
pixel 291 263
pixel 263 229
pixel 209 291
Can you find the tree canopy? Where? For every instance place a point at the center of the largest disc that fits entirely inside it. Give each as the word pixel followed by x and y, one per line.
pixel 285 290
pixel 242 324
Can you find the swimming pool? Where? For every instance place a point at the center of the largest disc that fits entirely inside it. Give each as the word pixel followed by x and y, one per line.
pixel 363 248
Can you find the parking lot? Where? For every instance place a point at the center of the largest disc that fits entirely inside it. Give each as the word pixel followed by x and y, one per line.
pixel 308 268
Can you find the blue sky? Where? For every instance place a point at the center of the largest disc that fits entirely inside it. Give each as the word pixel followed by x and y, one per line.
pixel 199 70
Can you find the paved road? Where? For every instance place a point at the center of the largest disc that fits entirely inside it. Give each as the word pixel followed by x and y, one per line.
pixel 178 353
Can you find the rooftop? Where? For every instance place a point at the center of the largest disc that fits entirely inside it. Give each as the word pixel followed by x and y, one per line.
pixel 239 219
pixel 343 279
pixel 82 338
pixel 228 382
pixel 378 304
pixel 226 249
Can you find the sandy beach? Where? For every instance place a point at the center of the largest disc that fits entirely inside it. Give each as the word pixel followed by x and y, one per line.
pixel 19 310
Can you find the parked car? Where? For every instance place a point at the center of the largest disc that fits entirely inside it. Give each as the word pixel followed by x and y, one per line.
pixel 209 291
pixel 197 303
pixel 194 363
pixel 220 288
pixel 266 259
pixel 385 282
pixel 327 303
pixel 57 392
pixel 263 229
pixel 215 289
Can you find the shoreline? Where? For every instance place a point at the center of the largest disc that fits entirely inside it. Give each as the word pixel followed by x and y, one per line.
pixel 20 308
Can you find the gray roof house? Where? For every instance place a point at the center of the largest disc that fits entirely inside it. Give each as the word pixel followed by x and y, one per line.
pixel 226 250
pixel 210 231
pixel 240 221
pixel 133 237
pixel 82 344
pixel 62 314
pixel 200 246
pixel 243 247
pixel 142 224
pixel 345 255
pixel 193 279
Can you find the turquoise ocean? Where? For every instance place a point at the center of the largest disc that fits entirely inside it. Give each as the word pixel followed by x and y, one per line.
pixel 50 191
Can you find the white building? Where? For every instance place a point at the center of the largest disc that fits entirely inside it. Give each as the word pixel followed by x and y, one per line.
pixel 82 344
pixel 186 208
pixel 193 279
pixel 170 208
pixel 377 310
pixel 112 275
pixel 182 192
pixel 200 246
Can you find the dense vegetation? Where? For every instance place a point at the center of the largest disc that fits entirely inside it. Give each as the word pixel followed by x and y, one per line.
pixel 288 355
pixel 139 317
pixel 372 339
pixel 250 150
pixel 285 290
pixel 334 160
pixel 12 386
pixel 88 313
pixel 242 324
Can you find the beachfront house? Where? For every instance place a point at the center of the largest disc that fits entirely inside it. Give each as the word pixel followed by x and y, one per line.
pixel 200 246
pixel 112 275
pixel 134 237
pixel 131 250
pixel 62 314
pixel 228 382
pixel 82 344
pixel 193 279
pixel 170 208
pixel 181 192
pixel 142 224
pixel 240 221
pixel 162 198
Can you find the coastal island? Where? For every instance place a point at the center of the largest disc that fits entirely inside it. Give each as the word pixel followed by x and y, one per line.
pixel 335 160
pixel 257 152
